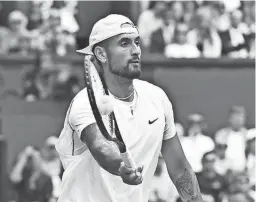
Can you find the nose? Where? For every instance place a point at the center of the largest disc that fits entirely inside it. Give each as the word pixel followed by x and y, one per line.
pixel 135 50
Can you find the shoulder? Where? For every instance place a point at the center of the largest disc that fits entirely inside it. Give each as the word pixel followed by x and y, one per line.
pixel 208 140
pixel 221 135
pixel 79 102
pixel 81 96
pixel 223 131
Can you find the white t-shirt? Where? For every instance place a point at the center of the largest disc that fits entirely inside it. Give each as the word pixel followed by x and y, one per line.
pixel 236 142
pixel 195 147
pixel 84 180
pixel 181 51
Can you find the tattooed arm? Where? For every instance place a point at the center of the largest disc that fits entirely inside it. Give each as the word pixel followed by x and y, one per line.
pixel 180 171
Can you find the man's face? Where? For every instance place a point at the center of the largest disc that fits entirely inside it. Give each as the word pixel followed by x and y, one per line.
pixel 124 55
pixel 167 17
pixel 16 25
pixel 208 163
pixel 177 10
pixel 160 7
pixel 237 120
pixel 236 18
pixel 221 151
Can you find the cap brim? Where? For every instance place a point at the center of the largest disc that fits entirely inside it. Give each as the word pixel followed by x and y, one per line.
pixel 87 50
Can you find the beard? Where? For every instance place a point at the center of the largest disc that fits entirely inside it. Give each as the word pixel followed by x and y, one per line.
pixel 130 71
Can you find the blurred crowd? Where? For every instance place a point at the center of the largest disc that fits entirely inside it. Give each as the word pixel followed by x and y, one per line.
pixel 36 174
pixel 224 164
pixel 176 29
pixel 191 29
pixel 49 31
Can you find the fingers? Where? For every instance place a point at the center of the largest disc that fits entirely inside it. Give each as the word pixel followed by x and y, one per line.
pixel 131 176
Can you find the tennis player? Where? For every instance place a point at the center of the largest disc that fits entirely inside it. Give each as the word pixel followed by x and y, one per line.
pixel 94 170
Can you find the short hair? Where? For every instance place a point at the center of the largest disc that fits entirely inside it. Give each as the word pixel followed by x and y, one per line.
pixel 236 110
pixel 208 156
pixel 152 4
pixel 18 15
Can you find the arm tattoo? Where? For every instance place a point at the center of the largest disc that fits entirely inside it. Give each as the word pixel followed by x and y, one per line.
pixel 188 188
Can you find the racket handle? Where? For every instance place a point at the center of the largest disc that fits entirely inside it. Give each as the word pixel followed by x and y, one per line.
pixel 128 161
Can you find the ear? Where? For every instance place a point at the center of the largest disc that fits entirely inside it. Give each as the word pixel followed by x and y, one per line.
pixel 101 54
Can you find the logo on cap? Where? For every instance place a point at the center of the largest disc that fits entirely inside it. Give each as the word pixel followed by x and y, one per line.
pixel 127 25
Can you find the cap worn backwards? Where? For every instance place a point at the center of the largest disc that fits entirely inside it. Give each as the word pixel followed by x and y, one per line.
pixel 110 26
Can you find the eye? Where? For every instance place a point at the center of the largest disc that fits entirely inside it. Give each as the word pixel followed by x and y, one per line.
pixel 124 43
pixel 137 42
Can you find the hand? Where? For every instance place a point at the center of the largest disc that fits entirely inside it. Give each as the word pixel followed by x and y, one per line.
pixel 29 150
pixel 131 176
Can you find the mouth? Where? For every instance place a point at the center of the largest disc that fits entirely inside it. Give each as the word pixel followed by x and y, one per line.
pixel 135 61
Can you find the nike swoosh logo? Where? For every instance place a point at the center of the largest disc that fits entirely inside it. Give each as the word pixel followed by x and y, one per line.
pixel 150 122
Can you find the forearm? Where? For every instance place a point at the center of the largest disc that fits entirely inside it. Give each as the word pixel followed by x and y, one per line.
pixel 187 186
pixel 180 171
pixel 108 157
pixel 106 153
pixel 16 174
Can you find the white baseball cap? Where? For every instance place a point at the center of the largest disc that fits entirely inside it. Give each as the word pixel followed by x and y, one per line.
pixel 110 26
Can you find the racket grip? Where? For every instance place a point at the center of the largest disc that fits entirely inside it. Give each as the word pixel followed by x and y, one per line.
pixel 128 161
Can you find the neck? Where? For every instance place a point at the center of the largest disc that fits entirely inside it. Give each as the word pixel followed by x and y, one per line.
pixel 119 86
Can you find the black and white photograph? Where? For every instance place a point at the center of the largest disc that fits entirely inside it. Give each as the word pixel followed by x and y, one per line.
pixel 127 101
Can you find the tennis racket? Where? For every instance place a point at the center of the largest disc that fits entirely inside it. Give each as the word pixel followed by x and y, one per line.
pixel 96 88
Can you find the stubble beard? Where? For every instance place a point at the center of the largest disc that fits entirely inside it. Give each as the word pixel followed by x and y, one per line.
pixel 127 72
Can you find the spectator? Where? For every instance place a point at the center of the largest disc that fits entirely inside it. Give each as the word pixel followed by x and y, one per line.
pixel 30 182
pixel 151 20
pixel 16 37
pixel 204 35
pixel 234 136
pixel 239 188
pixel 196 144
pixel 164 35
pixel 30 90
pixel 248 8
pixel 233 40
pixel 212 185
pixel 162 189
pixel 177 9
pixel 66 85
pixel 44 84
pixel 250 157
pixel 50 163
pixel 222 164
pixel 221 19
pixel 190 8
pixel 180 48
pixel 35 18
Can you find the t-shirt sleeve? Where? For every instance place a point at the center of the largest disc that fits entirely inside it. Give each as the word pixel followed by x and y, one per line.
pixel 81 114
pixel 169 130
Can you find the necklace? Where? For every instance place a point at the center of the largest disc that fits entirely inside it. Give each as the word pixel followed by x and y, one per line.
pixel 125 98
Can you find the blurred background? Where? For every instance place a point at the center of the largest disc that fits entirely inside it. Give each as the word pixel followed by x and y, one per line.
pixel 202 53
